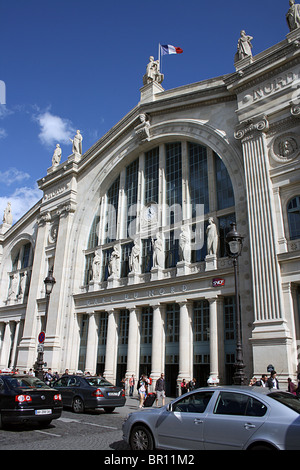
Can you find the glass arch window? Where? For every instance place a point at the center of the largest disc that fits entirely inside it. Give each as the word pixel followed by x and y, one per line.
pixel 293 210
pixel 176 177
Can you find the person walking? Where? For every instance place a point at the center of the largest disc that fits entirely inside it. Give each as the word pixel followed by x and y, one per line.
pixel 160 389
pixel 131 385
pixel 183 386
pixel 142 390
pixel 273 381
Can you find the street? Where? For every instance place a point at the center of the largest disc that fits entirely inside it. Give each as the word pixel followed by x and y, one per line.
pixel 92 430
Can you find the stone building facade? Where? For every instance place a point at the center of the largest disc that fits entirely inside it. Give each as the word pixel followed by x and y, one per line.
pixel 125 227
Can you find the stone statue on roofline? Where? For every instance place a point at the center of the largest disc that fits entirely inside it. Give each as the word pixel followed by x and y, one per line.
pixel 244 46
pixel 293 16
pixel 56 156
pixel 7 216
pixel 152 72
pixel 77 143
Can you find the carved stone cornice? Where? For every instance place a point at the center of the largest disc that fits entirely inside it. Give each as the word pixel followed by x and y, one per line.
pixel 249 129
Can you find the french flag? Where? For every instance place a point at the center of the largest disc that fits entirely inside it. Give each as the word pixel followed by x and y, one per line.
pixel 167 49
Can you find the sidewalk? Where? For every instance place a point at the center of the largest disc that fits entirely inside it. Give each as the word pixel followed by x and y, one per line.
pixel 132 404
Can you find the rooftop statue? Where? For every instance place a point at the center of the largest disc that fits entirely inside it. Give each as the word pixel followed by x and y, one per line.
pixel 77 143
pixel 7 216
pixel 56 156
pixel 293 16
pixel 152 73
pixel 244 46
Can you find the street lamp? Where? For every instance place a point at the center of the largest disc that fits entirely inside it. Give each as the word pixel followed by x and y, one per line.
pixel 234 243
pixel 49 283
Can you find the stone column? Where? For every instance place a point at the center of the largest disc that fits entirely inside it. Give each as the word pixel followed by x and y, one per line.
pixel 269 321
pixel 133 352
pixel 213 341
pixel 15 344
pixel 6 345
pixel 111 346
pixel 158 342
pixel 92 345
pixel 185 343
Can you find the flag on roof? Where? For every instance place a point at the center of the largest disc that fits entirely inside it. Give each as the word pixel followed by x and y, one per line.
pixel 168 49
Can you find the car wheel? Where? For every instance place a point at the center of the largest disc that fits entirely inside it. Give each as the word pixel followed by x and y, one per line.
pixel 110 409
pixel 141 439
pixel 78 405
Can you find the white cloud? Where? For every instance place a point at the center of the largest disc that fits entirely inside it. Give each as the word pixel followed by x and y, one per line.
pixel 22 199
pixel 54 129
pixel 3 133
pixel 13 175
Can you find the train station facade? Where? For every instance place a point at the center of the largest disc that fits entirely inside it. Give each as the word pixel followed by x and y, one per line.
pixel 125 228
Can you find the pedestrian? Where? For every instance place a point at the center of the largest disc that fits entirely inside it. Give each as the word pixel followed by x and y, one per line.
pixel 160 389
pixel 273 381
pixel 183 386
pixel 252 382
pixel 131 385
pixel 192 384
pixel 48 377
pixel 142 390
pixel 291 386
pixel 262 381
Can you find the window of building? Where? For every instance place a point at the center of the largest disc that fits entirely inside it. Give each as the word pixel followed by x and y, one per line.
pixel 151 175
pixel 131 188
pixel 125 255
pixel 198 177
pixel 84 324
pixel 173 182
pixel 293 210
pixel 112 211
pixel 123 326
pixel 172 323
pixel 147 254
pixel 223 184
pixel 146 325
pixel 201 320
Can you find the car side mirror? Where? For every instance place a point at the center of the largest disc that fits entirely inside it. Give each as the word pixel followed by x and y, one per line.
pixel 169 407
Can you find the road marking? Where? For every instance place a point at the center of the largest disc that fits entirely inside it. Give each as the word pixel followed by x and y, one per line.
pixel 70 420
pixel 48 433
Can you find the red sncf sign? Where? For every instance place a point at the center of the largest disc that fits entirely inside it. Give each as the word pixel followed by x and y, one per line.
pixel 218 282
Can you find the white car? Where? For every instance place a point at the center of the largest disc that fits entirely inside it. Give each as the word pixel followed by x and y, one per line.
pixel 228 418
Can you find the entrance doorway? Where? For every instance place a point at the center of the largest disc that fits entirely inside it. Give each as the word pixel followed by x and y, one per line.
pixel 171 374
pixel 201 374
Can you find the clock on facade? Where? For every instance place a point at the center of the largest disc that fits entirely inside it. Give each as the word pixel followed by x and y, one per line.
pixel 150 212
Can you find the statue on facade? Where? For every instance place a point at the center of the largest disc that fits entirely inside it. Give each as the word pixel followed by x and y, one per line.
pixel 23 284
pixel 7 216
pixel 142 130
pixel 77 143
pixel 185 245
pixel 293 16
pixel 244 46
pixel 152 72
pixel 56 156
pixel 158 252
pixel 96 267
pixel 13 289
pixel 113 265
pixel 212 237
pixel 134 259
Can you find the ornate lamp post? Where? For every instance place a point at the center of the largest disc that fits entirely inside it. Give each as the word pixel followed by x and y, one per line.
pixel 49 283
pixel 234 242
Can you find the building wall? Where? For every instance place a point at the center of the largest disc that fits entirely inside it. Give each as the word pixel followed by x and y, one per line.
pixel 250 120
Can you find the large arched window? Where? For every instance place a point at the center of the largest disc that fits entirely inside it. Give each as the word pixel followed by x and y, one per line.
pixel 187 181
pixel 293 211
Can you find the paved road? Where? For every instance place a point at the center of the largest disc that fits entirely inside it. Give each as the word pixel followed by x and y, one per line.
pixel 94 430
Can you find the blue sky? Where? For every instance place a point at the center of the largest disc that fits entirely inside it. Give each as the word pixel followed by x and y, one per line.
pixel 73 64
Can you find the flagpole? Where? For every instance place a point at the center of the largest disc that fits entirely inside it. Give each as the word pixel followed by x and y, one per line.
pixel 160 65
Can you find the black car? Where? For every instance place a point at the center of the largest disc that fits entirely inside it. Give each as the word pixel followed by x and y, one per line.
pixel 26 399
pixel 86 392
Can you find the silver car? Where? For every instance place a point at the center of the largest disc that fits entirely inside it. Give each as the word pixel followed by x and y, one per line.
pixel 233 418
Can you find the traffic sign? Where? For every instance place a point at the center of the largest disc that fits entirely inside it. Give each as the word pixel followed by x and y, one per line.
pixel 41 337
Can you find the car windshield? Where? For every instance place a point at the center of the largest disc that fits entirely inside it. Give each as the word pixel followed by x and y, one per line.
pixel 98 382
pixel 26 382
pixel 287 399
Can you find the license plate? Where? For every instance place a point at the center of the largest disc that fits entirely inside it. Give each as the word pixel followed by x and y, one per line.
pixel 43 412
pixel 113 394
